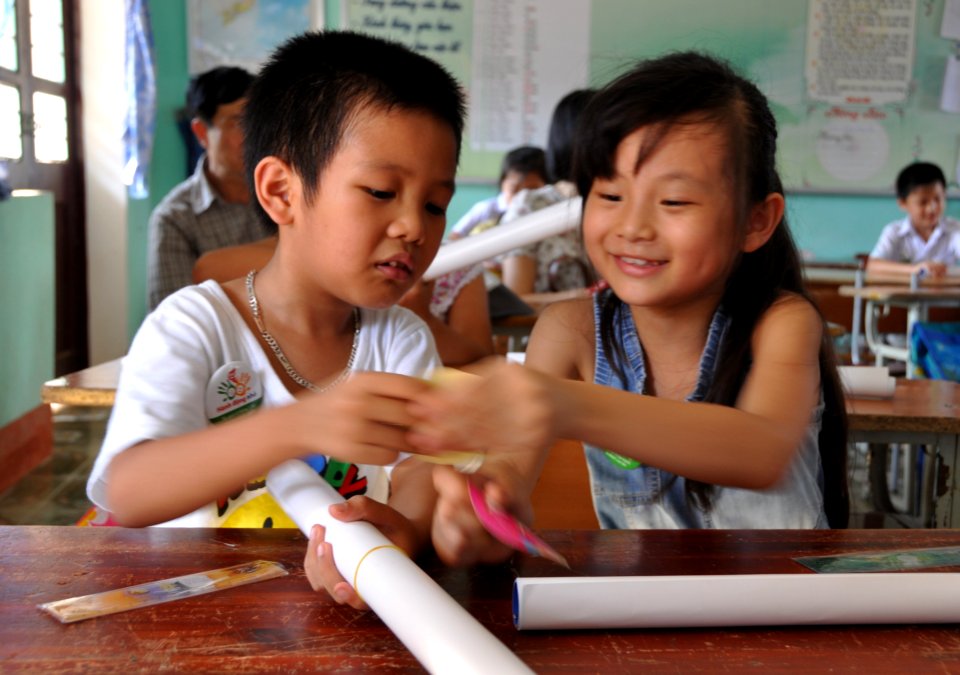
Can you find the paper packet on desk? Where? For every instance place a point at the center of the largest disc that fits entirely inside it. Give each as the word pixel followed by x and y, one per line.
pixel 867 381
pixel 154 592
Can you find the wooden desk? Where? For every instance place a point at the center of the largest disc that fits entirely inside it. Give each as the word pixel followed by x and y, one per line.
pixel 917 302
pixel 921 412
pixel 93 386
pixel 280 625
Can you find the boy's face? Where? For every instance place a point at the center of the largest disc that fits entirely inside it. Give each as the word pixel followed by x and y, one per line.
pixel 924 206
pixel 514 181
pixel 223 140
pixel 379 212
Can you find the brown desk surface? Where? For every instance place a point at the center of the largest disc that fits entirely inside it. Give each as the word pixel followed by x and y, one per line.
pixel 917 405
pixel 93 386
pixel 894 293
pixel 281 625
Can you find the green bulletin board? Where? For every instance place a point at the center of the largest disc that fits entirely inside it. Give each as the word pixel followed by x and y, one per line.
pixel 764 39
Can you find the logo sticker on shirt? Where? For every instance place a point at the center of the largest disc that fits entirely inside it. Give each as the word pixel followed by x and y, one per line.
pixel 620 461
pixel 234 390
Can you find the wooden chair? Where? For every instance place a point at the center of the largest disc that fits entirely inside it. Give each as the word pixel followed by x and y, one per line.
pixel 562 499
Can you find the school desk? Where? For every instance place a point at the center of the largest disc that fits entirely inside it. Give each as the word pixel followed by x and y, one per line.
pixel 281 625
pixel 93 386
pixel 921 413
pixel 916 301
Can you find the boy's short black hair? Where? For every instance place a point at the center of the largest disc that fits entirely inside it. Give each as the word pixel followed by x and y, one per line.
pixel 310 90
pixel 216 87
pixel 917 175
pixel 525 160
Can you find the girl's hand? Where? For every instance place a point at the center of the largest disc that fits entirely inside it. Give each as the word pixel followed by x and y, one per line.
pixel 506 414
pixel 458 537
pixel 363 420
pixel 319 564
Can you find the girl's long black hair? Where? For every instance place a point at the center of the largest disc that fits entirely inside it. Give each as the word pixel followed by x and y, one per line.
pixel 690 87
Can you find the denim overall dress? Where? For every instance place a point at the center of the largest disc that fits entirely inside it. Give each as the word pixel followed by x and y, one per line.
pixel 629 495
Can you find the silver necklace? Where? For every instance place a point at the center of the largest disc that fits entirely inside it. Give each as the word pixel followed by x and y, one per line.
pixel 282 358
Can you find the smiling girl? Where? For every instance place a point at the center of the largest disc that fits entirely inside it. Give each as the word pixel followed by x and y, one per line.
pixel 702 381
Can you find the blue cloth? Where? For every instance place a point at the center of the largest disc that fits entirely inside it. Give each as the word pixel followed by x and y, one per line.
pixel 629 495
pixel 141 87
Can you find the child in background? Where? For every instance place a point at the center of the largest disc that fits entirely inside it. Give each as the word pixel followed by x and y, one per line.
pixel 521 169
pixel 702 381
pixel 351 150
pixel 926 240
pixel 556 263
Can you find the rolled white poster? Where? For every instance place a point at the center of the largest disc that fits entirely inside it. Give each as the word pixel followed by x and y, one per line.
pixel 867 381
pixel 552 603
pixel 533 227
pixel 440 633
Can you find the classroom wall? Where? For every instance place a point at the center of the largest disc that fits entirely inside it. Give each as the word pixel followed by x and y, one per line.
pixel 27 301
pixel 828 227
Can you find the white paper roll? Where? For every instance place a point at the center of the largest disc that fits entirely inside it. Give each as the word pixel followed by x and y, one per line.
pixel 553 603
pixel 442 635
pixel 531 228
pixel 867 381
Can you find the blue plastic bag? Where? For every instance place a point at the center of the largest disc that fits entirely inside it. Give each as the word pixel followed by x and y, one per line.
pixel 935 350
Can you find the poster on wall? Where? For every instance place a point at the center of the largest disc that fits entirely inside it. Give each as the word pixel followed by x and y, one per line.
pixel 244 32
pixel 526 57
pixel 515 58
pixel 859 69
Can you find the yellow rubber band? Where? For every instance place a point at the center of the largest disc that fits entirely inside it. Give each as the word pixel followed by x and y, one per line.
pixel 357 570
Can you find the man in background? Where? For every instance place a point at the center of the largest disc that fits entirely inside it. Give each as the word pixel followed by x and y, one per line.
pixel 210 209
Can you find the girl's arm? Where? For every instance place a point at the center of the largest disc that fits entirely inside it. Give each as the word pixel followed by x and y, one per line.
pixel 362 420
pixel 520 274
pixel 747 446
pixel 520 410
pixel 466 335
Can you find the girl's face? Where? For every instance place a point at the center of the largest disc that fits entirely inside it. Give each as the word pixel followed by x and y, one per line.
pixel 665 234
pixel 378 216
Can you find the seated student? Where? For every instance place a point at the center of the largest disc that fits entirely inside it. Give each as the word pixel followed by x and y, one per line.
pixel 703 382
pixel 454 306
pixel 522 168
pixel 224 381
pixel 925 240
pixel 556 263
pixel 211 208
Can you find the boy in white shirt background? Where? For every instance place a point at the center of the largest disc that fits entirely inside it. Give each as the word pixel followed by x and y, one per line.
pixel 925 240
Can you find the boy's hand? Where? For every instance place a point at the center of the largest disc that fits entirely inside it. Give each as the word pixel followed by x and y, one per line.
pixel 363 419
pixel 319 564
pixel 934 270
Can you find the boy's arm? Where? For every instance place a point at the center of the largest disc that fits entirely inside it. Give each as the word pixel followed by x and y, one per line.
pixel 882 266
pixel 363 420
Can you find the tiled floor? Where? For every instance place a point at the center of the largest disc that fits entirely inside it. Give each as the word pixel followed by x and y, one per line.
pixel 54 492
